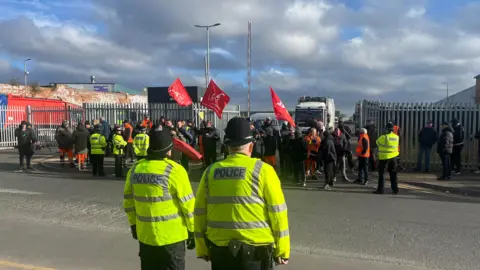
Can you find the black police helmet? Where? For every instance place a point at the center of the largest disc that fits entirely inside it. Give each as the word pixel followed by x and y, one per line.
pixel 238 132
pixel 160 141
pixel 142 128
pixel 389 126
pixel 97 127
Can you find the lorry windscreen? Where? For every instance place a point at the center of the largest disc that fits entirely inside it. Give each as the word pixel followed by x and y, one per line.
pixel 303 117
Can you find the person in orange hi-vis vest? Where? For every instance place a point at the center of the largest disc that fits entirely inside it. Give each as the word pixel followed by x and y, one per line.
pixel 127 136
pixel 313 143
pixel 147 122
pixel 363 154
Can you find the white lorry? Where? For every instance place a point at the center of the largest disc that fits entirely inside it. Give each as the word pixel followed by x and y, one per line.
pixel 318 108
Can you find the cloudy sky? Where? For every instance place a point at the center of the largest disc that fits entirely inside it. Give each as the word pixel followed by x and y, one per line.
pixel 398 50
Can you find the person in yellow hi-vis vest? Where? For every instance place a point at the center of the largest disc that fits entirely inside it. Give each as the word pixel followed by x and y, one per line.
pixel 98 144
pixel 118 145
pixel 141 143
pixel 241 220
pixel 159 203
pixel 388 152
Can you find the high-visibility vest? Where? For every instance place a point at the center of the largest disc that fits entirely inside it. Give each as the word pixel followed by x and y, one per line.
pixel 147 123
pixel 387 146
pixel 128 126
pixel 241 198
pixel 312 148
pixel 159 200
pixel 140 144
pixel 97 144
pixel 118 144
pixel 359 149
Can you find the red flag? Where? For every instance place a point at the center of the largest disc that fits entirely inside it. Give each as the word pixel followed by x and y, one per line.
pixel 279 109
pixel 215 99
pixel 179 93
pixel 186 149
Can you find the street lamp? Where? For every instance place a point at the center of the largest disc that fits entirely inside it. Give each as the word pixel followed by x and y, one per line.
pixel 207 27
pixel 25 72
pixel 446 83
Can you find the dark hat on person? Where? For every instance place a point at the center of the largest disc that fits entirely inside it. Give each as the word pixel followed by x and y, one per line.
pixel 389 126
pixel 23 123
pixel 97 127
pixel 238 132
pixel 142 128
pixel 118 128
pixel 160 141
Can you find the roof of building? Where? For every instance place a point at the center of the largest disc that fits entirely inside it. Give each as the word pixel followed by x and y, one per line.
pixel 465 96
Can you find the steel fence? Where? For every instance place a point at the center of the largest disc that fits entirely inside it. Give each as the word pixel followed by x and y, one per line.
pixel 10 119
pixel 411 118
pixel 116 113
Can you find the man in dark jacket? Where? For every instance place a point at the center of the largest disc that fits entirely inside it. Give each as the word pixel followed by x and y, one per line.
pixel 26 142
pixel 271 141
pixel 329 157
pixel 258 146
pixel 80 139
pixel 445 149
pixel 285 136
pixel 341 148
pixel 63 136
pixel 182 128
pixel 426 138
pixel 458 138
pixel 297 149
pixel 348 135
pixel 372 133
pixel 210 138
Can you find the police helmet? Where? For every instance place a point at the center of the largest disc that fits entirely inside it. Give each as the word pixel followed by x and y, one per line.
pixel 160 141
pixel 142 128
pixel 97 127
pixel 118 129
pixel 389 126
pixel 238 132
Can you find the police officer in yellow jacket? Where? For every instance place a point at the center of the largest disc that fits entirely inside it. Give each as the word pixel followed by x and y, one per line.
pixel 141 143
pixel 387 155
pixel 119 145
pixel 98 144
pixel 241 217
pixel 159 203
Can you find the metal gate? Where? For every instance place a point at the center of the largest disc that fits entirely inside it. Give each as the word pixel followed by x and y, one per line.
pixel 45 120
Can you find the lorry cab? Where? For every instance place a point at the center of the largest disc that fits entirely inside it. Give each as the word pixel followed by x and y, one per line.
pixel 314 108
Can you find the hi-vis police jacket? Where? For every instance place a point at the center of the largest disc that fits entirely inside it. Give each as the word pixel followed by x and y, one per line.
pixel 97 144
pixel 388 146
pixel 118 144
pixel 158 199
pixel 140 144
pixel 240 198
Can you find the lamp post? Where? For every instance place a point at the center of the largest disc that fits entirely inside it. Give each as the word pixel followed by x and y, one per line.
pixel 25 72
pixel 207 64
pixel 446 83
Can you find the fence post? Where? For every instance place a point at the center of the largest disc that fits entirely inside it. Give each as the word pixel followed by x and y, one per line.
pixel 29 114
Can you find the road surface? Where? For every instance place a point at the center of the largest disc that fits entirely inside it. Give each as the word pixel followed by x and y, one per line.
pixel 55 221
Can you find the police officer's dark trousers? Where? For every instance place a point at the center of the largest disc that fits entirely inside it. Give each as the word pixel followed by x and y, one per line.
pixel 168 257
pixel 240 256
pixel 97 165
pixel 119 165
pixel 391 165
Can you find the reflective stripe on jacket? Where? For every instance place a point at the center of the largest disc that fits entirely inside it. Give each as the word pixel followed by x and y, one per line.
pixel 97 144
pixel 118 144
pixel 387 146
pixel 159 200
pixel 360 149
pixel 140 144
pixel 240 198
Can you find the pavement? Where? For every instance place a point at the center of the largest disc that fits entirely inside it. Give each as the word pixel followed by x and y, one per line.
pixel 67 220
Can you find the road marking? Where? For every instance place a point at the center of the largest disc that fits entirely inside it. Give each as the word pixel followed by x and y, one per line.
pixel 16 191
pixel 23 266
pixel 430 191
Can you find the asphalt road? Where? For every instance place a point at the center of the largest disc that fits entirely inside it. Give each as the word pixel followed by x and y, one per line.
pixel 55 221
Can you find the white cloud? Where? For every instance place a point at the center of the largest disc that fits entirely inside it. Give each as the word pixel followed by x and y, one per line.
pixel 399 49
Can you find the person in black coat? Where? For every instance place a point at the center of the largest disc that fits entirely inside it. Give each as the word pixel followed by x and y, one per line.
pixel 341 147
pixel 329 157
pixel 81 138
pixel 210 139
pixel 348 135
pixel 297 149
pixel 258 145
pixel 271 141
pixel 26 140
pixel 372 134
pixel 426 139
pixel 445 149
pixel 458 139
pixel 285 136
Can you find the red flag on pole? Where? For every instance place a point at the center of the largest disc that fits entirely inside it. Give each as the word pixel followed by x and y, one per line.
pixel 215 99
pixel 279 109
pixel 186 149
pixel 178 92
